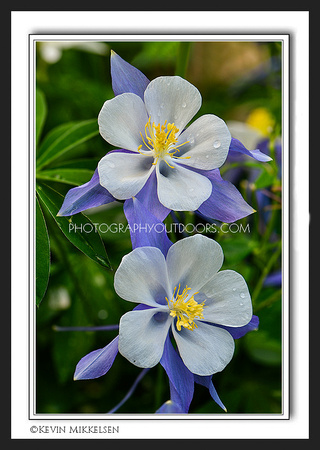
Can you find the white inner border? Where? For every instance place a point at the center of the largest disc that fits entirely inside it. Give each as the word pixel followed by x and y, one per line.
pixel 244 426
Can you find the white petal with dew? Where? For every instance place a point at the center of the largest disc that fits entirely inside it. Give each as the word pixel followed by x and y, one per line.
pixel 208 141
pixel 206 349
pixel 142 277
pixel 173 99
pixel 121 120
pixel 142 336
pixel 193 261
pixel 181 189
pixel 228 300
pixel 124 174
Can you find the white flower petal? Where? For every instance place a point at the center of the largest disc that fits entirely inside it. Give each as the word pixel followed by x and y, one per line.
pixel 228 300
pixel 124 174
pixel 206 349
pixel 121 120
pixel 142 336
pixel 142 277
pixel 193 261
pixel 173 99
pixel 246 134
pixel 181 189
pixel 208 143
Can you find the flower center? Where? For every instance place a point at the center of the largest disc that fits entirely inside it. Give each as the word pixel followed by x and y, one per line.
pixel 185 310
pixel 161 140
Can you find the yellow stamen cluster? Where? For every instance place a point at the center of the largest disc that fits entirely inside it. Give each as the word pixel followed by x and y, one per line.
pixel 161 140
pixel 185 310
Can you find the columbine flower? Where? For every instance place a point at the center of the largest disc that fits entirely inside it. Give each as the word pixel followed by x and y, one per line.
pixel 162 164
pixel 258 131
pixel 249 135
pixel 208 320
pixel 183 294
pixel 154 131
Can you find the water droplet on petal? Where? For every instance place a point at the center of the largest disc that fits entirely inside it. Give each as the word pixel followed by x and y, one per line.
pixel 234 289
pixel 162 105
pixel 191 190
pixel 241 304
pixel 242 295
pixel 183 105
pixel 111 165
pixel 143 256
pixel 217 144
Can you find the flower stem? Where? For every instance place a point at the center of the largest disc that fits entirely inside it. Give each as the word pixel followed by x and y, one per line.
pixel 96 328
pixel 159 386
pixel 276 296
pixel 273 259
pixel 183 58
pixel 130 392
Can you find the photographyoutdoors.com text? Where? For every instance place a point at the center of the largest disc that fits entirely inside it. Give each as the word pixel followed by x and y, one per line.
pixel 189 228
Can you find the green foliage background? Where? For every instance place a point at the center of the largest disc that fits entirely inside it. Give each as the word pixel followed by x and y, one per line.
pixel 74 272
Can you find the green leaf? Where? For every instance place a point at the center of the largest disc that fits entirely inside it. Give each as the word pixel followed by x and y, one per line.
pixel 236 250
pixel 265 179
pixel 64 138
pixel 52 136
pixel 41 112
pixel 78 229
pixel 82 163
pixel 42 255
pixel 263 348
pixel 75 177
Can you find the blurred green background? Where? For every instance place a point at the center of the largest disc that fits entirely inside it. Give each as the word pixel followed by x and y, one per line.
pixel 239 81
